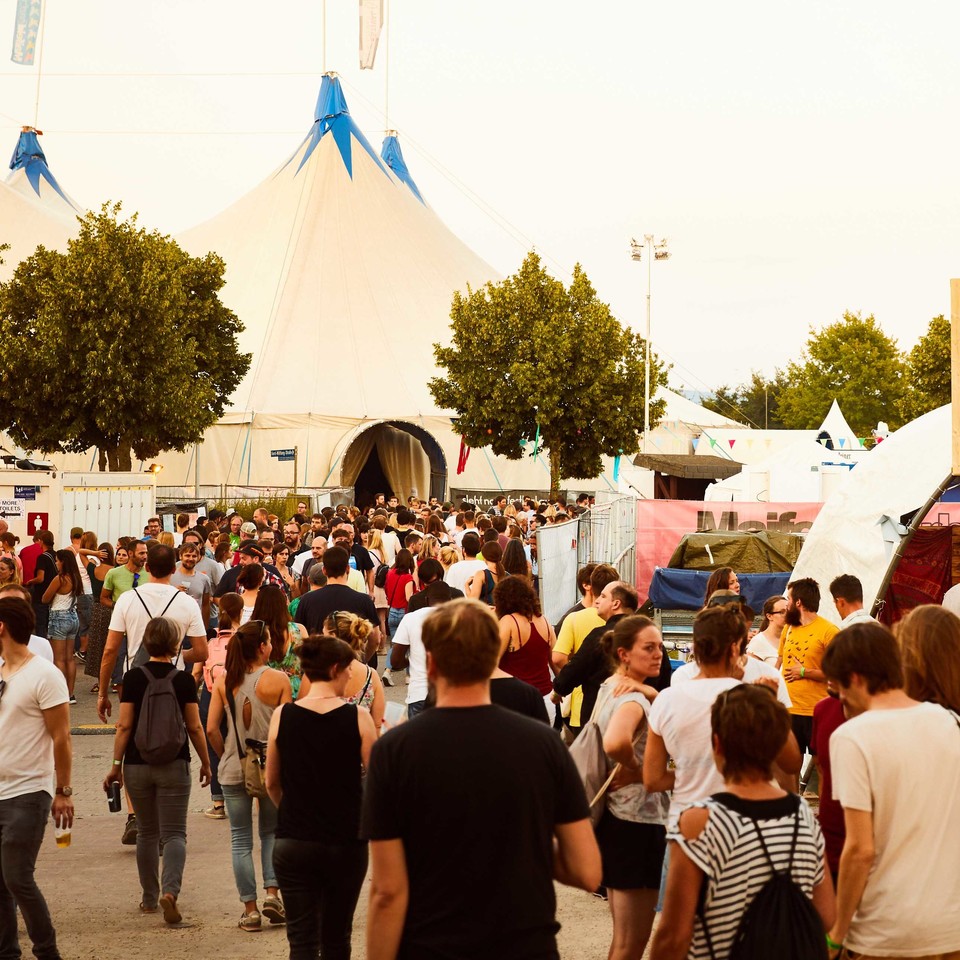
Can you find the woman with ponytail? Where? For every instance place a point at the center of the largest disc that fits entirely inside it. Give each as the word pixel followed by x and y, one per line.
pixel 632 832
pixel 317 751
pixel 247 693
pixel 364 687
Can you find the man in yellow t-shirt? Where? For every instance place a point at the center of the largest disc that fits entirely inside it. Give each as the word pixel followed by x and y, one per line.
pixel 575 629
pixel 803 642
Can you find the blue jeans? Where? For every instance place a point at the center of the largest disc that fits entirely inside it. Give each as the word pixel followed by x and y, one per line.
pixel 239 806
pixel 84 609
pixel 394 616
pixel 160 794
pixel 22 822
pixel 216 792
pixel 321 884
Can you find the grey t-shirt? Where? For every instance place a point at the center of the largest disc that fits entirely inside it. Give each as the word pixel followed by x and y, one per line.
pixel 197 586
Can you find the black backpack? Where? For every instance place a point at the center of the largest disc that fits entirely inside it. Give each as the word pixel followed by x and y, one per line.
pixel 781 921
pixel 380 577
pixel 161 731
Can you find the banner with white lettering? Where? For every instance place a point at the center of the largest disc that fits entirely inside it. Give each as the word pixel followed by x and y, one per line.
pixel 371 22
pixel 25 31
pixel 661 524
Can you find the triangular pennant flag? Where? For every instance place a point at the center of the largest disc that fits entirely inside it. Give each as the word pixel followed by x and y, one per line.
pixel 843 441
pixel 695 441
pixel 768 441
pixel 616 468
pixel 749 444
pixel 822 441
pixel 863 441
pixel 731 442
pixel 713 443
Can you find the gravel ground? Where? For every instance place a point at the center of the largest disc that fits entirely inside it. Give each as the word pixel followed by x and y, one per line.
pixel 93 892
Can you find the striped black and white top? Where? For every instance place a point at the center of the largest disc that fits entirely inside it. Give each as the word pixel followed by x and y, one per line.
pixel 729 853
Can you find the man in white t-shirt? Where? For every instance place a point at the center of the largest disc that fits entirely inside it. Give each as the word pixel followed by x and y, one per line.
pixel 461 571
pixel 407 651
pixel 896 773
pixel 35 768
pixel 38 646
pixel 137 607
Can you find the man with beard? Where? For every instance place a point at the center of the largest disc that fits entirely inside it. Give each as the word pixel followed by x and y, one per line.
pixel 192 581
pixel 803 643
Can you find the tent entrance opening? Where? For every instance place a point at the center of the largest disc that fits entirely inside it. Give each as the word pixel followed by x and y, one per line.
pixel 397 458
pixel 371 480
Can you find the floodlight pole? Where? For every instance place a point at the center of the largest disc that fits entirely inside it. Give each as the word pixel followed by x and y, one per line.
pixel 654 252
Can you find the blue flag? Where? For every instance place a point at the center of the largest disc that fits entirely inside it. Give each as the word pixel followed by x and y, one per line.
pixel 25 32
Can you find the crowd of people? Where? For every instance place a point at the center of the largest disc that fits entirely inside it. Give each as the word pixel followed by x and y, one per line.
pixel 255 653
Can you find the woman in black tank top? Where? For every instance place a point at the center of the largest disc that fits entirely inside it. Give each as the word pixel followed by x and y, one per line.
pixel 317 751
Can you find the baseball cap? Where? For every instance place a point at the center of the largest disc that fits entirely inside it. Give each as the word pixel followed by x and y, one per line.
pixel 248 527
pixel 251 550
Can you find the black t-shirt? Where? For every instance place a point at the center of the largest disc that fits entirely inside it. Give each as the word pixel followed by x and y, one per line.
pixel 47 565
pixel 518 696
pixel 135 686
pixel 474 793
pixel 317 605
pixel 432 594
pixel 228 582
pixel 362 556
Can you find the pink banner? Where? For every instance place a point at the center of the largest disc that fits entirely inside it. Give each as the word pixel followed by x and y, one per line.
pixel 661 525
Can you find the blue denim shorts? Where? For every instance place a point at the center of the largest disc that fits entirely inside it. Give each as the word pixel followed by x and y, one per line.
pixel 63 625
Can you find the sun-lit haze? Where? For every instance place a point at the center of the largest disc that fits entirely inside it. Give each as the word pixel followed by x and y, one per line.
pixel 801 159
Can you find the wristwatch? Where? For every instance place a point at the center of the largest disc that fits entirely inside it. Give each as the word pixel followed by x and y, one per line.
pixel 64 791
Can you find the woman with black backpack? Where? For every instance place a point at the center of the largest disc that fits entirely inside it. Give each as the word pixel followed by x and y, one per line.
pixel 748 876
pixel 158 712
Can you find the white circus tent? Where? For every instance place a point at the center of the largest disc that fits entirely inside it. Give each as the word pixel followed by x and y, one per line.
pixel 343 277
pixel 34 208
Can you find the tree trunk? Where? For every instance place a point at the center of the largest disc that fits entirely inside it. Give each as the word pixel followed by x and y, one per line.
pixel 554 474
pixel 118 459
pixel 101 459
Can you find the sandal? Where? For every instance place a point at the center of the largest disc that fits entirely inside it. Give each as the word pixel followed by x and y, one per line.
pixel 145 909
pixel 168 904
pixel 250 922
pixel 95 688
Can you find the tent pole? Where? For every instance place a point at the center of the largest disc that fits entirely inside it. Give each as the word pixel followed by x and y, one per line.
pixel 912 528
pixel 41 36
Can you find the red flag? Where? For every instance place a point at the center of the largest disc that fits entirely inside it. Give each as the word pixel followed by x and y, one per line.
pixel 464 456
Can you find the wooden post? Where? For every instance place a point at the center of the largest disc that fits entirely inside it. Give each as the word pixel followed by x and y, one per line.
pixel 955 374
pixel 296 460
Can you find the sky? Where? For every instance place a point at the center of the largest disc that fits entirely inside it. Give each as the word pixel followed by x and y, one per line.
pixel 800 158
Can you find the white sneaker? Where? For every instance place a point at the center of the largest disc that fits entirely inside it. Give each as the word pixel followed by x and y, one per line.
pixel 386 679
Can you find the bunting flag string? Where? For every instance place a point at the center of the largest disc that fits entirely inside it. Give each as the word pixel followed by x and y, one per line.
pixel 695 441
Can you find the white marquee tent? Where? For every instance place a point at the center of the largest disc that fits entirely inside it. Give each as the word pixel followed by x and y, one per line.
pixel 860 527
pixel 343 277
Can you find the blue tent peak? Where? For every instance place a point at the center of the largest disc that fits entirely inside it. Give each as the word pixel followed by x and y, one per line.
pixel 28 156
pixel 393 157
pixel 333 116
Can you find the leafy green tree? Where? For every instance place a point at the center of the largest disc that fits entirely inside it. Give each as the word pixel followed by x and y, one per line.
pixel 529 354
pixel 755 403
pixel 852 361
pixel 928 371
pixel 121 344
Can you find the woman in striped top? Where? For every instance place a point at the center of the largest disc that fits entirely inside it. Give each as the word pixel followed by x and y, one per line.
pixel 716 847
